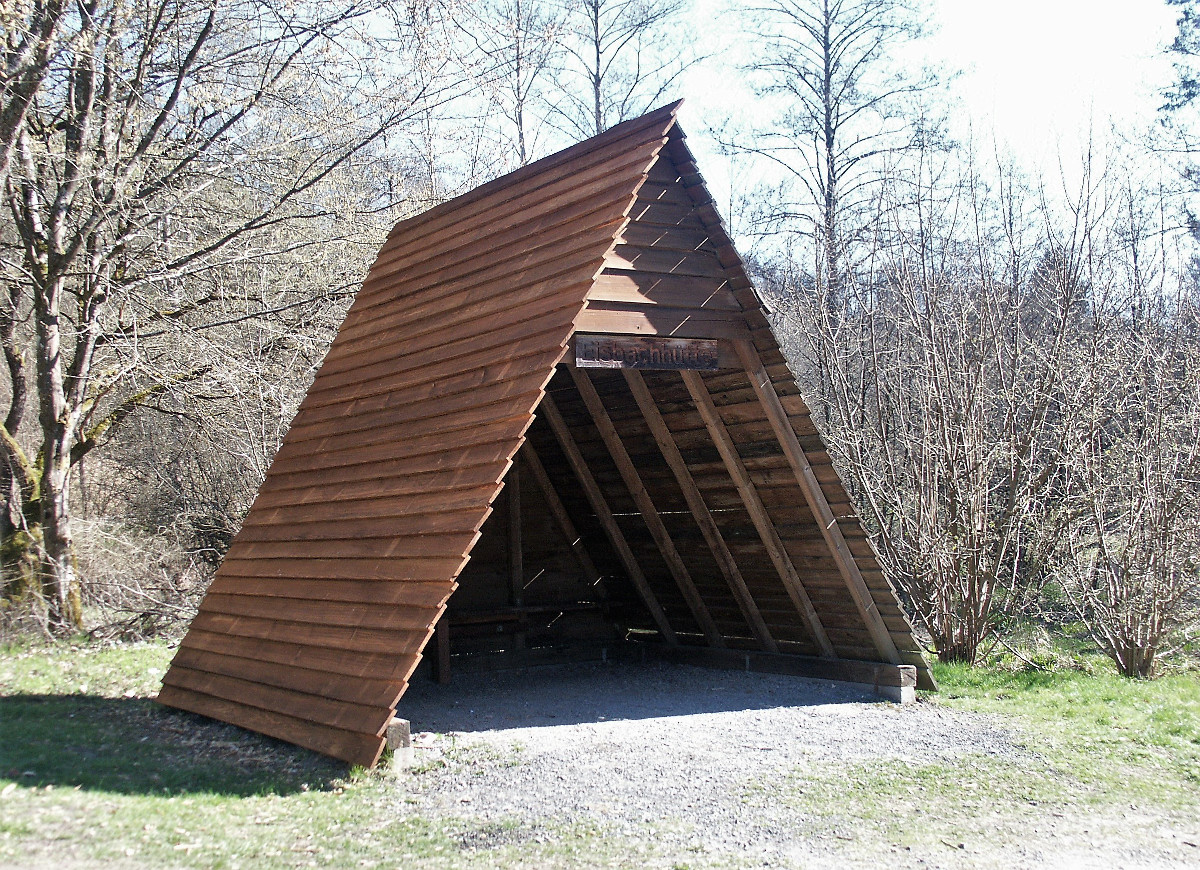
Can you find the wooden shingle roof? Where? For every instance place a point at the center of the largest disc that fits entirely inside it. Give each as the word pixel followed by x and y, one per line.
pixel 317 618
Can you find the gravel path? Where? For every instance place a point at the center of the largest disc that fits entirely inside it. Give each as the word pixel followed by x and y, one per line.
pixel 686 755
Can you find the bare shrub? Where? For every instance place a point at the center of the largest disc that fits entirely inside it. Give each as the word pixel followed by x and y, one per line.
pixel 138 585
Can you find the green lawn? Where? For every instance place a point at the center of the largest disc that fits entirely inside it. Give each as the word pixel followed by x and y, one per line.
pixel 93 772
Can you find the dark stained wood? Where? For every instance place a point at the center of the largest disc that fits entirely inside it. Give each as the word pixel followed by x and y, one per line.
pixel 608 522
pixel 758 513
pixel 378 496
pixel 602 316
pixel 648 288
pixel 350 746
pixel 645 505
pixel 816 501
pixel 561 517
pixel 362 690
pixel 700 512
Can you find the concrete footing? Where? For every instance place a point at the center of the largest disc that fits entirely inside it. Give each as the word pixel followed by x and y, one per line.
pixel 399 740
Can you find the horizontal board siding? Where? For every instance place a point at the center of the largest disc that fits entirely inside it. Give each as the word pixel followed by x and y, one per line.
pixel 389 470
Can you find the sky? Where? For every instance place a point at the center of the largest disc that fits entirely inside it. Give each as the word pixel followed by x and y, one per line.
pixel 1041 72
pixel 1034 75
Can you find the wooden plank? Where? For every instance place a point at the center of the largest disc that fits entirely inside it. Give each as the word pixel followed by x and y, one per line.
pixel 758 513
pixel 491 452
pixel 347 639
pixel 363 690
pixel 359 718
pixel 559 511
pixel 818 504
pixel 659 320
pixel 386 486
pixel 665 214
pixel 452 524
pixel 321 612
pixel 645 506
pixel 400 545
pixel 604 514
pixel 699 264
pixel 419 595
pixel 375 666
pixel 700 512
pixel 436 504
pixel 649 288
pixel 397 568
pixel 353 748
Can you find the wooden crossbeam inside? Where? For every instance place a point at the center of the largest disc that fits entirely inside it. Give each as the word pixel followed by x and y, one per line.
pixel 695 501
pixel 558 510
pixel 604 514
pixel 645 506
pixel 758 512
pixel 817 502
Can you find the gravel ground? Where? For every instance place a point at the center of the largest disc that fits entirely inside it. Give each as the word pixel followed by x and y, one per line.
pixel 687 757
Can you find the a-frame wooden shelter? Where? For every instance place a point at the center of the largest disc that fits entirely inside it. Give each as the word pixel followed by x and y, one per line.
pixel 580 333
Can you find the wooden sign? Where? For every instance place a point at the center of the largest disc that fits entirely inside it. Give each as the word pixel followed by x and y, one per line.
pixel 634 352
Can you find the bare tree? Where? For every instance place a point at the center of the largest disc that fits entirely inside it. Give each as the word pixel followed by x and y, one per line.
pixel 622 58
pixel 937 373
pixel 840 109
pixel 167 145
pixel 518 40
pixel 1131 560
pixel 31 39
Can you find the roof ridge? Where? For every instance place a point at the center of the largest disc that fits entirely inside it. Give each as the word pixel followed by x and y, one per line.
pixel 664 115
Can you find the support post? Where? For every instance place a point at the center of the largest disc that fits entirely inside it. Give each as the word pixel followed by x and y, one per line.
pixel 700 512
pixel 758 512
pixel 516 561
pixel 645 506
pixel 607 521
pixel 441 662
pixel 817 502
pixel 559 511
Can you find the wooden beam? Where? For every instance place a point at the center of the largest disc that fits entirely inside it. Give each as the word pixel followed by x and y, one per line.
pixel 645 506
pixel 758 512
pixel 895 682
pixel 817 502
pixel 441 646
pixel 604 514
pixel 704 518
pixel 559 511
pixel 516 557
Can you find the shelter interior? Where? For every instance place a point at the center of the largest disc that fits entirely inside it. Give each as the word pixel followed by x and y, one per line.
pixel 551 576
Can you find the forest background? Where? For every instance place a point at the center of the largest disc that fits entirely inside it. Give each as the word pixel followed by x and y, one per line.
pixel 1004 360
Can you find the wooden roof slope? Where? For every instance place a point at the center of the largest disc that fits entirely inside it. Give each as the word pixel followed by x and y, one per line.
pixel 318 615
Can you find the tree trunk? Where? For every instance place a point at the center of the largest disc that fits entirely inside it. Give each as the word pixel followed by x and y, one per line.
pixel 60 583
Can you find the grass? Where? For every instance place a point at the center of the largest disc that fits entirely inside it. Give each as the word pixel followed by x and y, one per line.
pixel 93 772
pixel 1098 758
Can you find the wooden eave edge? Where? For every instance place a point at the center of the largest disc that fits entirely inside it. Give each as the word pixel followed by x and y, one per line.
pixel 752 303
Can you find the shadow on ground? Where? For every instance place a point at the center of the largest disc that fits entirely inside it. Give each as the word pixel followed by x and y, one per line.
pixel 135 746
pixel 574 694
